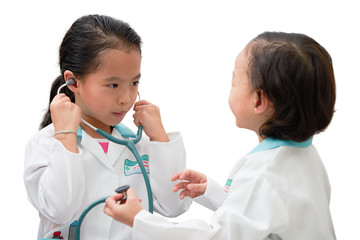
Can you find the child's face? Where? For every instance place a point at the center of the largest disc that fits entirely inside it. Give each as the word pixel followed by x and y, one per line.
pixel 242 97
pixel 106 95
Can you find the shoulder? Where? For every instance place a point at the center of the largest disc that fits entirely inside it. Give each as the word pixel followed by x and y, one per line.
pixel 283 156
pixel 278 165
pixel 287 169
pixel 43 135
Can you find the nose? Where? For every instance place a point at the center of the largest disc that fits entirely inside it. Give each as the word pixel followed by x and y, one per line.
pixel 124 97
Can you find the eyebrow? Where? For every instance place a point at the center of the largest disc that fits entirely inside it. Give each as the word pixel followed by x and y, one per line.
pixel 110 79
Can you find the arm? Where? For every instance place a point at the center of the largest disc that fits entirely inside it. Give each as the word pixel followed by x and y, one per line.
pixel 53 177
pixel 148 115
pixel 53 167
pixel 166 157
pixel 197 185
pixel 65 116
pixel 252 210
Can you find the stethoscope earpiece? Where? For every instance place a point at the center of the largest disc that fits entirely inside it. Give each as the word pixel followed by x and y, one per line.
pixel 69 82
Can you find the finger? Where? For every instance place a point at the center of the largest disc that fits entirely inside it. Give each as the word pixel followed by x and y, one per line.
pixel 109 204
pixel 131 194
pixel 180 175
pixel 197 187
pixel 140 103
pixel 146 108
pixel 118 197
pixel 176 176
pixel 138 118
pixel 57 98
pixel 137 122
pixel 61 100
pixel 186 175
pixel 181 185
pixel 60 95
pixel 141 107
pixel 107 211
pixel 68 103
pixel 184 194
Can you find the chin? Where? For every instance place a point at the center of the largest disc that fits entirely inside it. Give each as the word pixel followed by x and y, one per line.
pixel 238 124
pixel 115 123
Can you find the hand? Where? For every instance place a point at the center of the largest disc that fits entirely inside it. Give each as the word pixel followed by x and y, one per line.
pixel 124 212
pixel 64 114
pixel 194 186
pixel 148 115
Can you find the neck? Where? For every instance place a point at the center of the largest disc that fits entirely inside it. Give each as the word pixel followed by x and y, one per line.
pixel 91 132
pixel 260 139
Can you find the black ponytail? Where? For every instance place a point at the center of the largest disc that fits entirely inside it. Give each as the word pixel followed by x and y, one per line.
pixel 80 49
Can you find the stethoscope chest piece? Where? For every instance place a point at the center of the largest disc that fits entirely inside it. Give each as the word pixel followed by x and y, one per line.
pixel 123 190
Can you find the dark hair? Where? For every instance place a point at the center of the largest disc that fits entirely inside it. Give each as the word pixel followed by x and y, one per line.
pixel 81 48
pixel 296 74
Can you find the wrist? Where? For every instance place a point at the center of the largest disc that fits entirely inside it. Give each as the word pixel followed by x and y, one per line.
pixel 132 220
pixel 160 138
pixel 65 132
pixel 68 140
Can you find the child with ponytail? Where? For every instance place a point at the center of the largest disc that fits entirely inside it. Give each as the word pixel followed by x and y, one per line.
pixel 68 165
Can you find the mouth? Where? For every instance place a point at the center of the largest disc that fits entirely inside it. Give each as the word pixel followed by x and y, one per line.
pixel 119 114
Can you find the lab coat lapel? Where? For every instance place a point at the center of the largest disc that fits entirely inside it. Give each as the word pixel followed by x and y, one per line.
pixel 94 147
pixel 115 149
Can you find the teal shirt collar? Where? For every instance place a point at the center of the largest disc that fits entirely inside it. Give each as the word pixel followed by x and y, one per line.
pixel 121 128
pixel 271 143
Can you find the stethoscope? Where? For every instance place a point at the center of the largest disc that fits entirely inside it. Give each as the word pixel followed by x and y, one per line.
pixel 130 144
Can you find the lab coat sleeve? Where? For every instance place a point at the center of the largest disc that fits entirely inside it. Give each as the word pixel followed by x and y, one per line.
pixel 166 159
pixel 53 178
pixel 213 197
pixel 252 211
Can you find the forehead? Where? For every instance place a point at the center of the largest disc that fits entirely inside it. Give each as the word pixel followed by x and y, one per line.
pixel 241 61
pixel 116 56
pixel 119 62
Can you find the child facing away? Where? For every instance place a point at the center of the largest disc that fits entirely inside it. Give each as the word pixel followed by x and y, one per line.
pixel 68 165
pixel 283 89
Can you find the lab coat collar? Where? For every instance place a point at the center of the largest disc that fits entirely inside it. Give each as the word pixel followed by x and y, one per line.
pixel 114 149
pixel 271 143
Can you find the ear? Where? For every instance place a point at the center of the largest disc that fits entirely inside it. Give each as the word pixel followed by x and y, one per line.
pixel 68 75
pixel 262 104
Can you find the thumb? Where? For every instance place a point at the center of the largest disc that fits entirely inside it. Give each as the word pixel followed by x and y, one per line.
pixel 110 204
pixel 131 194
pixel 201 187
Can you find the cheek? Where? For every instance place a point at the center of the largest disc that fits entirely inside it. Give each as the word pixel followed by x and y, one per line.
pixel 233 103
pixel 134 96
pixel 96 100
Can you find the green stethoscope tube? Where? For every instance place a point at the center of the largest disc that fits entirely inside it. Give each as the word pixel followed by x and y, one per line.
pixel 82 216
pixel 130 144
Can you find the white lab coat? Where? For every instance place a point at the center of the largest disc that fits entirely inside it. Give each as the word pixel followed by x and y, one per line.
pixel 61 184
pixel 278 191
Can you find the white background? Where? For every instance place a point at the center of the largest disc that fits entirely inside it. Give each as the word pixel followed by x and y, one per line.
pixel 188 56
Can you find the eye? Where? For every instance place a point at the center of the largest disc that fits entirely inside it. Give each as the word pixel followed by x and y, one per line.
pixel 114 85
pixel 135 83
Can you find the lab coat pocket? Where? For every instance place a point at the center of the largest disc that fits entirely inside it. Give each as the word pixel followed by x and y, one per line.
pixel 63 232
